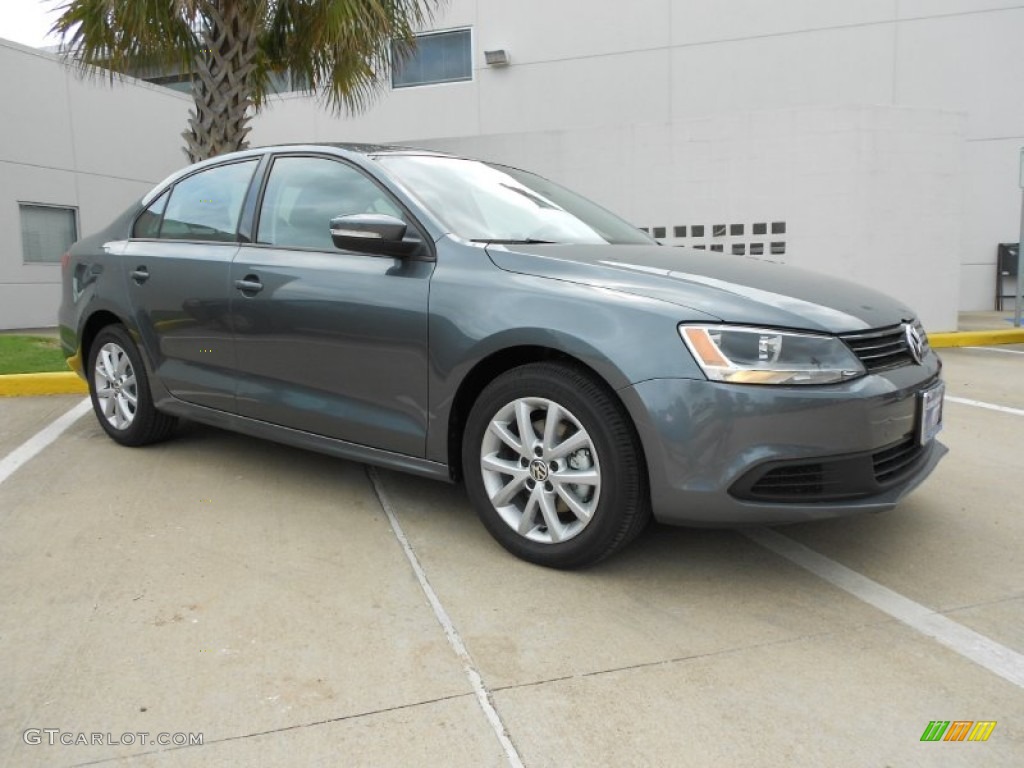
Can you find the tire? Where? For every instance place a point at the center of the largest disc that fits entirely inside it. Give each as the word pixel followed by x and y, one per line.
pixel 119 388
pixel 522 490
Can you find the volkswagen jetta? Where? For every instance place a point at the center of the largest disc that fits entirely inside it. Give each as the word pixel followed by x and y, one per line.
pixel 470 321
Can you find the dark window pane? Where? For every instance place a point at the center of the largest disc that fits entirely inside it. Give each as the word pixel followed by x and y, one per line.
pixel 761 229
pixel 644 229
pixel 679 231
pixel 739 249
pixel 778 247
pixel 718 247
pixel 718 230
pixel 659 232
pixel 778 227
pixel 443 57
pixel 148 224
pixel 735 229
pixel 700 247
pixel 205 206
pixel 756 249
pixel 697 231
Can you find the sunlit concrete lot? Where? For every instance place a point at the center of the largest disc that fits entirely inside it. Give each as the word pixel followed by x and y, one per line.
pixel 260 596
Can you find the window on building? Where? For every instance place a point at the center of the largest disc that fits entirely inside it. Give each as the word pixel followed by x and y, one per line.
pixel 47 231
pixel 206 205
pixel 181 82
pixel 439 57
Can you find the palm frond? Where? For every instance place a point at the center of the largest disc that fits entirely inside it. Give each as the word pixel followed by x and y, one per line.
pixel 341 49
pixel 120 37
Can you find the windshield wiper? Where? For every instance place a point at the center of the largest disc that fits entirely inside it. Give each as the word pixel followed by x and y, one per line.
pixel 513 241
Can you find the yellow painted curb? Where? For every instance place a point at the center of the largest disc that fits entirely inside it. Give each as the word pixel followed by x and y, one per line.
pixel 20 384
pixel 977 338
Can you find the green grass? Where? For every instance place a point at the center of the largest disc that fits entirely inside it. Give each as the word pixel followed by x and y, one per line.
pixel 30 354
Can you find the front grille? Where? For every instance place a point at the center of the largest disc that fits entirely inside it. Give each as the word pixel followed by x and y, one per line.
pixel 897 460
pixel 881 349
pixel 791 481
pixel 832 478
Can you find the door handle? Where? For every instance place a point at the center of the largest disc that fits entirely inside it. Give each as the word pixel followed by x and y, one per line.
pixel 249 284
pixel 140 275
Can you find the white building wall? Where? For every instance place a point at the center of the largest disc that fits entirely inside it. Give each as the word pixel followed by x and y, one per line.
pixel 586 64
pixel 75 143
pixel 832 176
pixel 597 74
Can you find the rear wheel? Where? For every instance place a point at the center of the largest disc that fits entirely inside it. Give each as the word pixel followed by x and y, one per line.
pixel 553 466
pixel 119 389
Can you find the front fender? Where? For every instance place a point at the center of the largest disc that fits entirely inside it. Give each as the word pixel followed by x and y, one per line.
pixel 478 310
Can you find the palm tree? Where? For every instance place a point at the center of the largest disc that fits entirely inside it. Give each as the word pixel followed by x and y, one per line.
pixel 339 49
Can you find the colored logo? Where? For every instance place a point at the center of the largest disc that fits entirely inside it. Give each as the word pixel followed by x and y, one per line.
pixel 958 730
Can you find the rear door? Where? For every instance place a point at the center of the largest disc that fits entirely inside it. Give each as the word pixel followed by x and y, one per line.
pixel 330 341
pixel 178 263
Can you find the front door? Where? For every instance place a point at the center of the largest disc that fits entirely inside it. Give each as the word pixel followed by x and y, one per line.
pixel 329 341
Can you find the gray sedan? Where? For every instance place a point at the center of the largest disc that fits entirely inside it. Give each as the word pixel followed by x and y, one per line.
pixel 470 321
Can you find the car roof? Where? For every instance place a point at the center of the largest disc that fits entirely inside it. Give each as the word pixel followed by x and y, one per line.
pixel 357 148
pixel 364 149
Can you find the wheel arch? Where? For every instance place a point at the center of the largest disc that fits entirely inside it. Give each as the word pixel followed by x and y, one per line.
pixel 494 365
pixel 96 322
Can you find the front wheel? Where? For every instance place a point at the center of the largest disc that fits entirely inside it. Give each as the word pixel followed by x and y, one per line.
pixel 119 389
pixel 554 467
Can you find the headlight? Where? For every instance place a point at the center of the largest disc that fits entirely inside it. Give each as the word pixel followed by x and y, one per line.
pixel 742 355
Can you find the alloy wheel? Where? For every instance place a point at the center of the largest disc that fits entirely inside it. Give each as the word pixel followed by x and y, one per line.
pixel 116 389
pixel 540 470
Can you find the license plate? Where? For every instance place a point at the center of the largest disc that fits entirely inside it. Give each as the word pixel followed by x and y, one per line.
pixel 929 410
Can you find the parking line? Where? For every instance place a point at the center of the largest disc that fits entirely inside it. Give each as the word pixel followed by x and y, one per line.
pixel 24 452
pixel 987 406
pixel 995 657
pixel 483 695
pixel 997 349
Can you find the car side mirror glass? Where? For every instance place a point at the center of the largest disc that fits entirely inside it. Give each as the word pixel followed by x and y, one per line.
pixel 375 233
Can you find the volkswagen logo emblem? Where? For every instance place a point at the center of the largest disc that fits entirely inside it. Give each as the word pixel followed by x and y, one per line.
pixel 914 343
pixel 538 470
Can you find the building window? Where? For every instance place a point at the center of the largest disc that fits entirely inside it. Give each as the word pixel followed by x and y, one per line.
pixel 439 57
pixel 47 231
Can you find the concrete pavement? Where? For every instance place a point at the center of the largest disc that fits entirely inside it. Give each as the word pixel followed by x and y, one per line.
pixel 257 594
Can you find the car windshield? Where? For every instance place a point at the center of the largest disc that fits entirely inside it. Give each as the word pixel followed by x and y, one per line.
pixel 493 203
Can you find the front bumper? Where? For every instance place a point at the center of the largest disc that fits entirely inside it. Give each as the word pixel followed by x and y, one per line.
pixel 708 444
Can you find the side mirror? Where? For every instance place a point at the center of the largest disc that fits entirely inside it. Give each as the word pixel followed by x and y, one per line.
pixel 375 233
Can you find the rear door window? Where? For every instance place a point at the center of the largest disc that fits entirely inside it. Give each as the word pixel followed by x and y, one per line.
pixel 206 205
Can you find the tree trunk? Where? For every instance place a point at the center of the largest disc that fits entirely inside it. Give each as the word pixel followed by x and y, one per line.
pixel 222 89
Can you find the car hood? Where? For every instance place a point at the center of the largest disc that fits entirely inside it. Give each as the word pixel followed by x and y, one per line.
pixel 733 289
